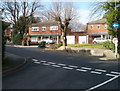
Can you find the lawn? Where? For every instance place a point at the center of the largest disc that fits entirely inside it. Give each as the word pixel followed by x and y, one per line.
pixel 100 46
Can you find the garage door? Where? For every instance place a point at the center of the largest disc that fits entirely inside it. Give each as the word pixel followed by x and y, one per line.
pixel 82 39
pixel 70 39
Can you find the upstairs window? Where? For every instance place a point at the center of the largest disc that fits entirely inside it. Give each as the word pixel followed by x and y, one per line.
pixel 91 27
pixel 98 27
pixel 105 26
pixel 43 28
pixel 35 28
pixel 53 27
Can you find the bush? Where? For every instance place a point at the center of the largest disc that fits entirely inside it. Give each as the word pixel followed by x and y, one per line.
pixel 108 45
pixel 34 43
pixel 18 39
pixel 58 45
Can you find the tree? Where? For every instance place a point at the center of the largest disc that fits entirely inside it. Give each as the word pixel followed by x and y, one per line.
pixel 21 13
pixel 112 15
pixel 63 13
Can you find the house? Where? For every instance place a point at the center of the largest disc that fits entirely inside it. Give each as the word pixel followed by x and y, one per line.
pixel 8 30
pixel 51 30
pixel 96 29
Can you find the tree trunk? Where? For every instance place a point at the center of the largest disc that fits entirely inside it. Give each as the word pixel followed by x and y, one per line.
pixel 64 40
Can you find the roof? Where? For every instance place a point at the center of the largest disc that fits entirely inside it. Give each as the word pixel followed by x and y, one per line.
pixel 45 23
pixel 100 21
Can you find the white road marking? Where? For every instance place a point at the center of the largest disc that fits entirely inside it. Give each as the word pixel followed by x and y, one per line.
pixel 62 64
pixel 100 70
pixel 110 75
pixel 51 63
pixel 45 64
pixel 99 85
pixel 81 70
pixel 56 65
pixel 35 60
pixel 67 68
pixel 96 72
pixel 86 68
pixel 115 72
pixel 42 61
pixel 73 66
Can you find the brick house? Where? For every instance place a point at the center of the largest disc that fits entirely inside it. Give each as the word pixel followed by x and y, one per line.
pixel 51 30
pixel 96 29
pixel 7 32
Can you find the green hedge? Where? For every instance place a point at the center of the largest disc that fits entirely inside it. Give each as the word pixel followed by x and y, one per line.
pixel 18 39
pixel 108 45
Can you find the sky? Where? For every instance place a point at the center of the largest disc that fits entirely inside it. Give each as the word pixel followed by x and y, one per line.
pixel 84 10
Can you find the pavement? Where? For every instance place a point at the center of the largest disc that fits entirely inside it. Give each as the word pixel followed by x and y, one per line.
pixel 103 53
pixel 12 62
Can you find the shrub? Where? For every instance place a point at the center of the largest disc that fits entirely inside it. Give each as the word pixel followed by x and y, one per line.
pixel 58 45
pixel 108 45
pixel 18 39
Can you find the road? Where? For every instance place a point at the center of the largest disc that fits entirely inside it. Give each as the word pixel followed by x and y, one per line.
pixel 54 70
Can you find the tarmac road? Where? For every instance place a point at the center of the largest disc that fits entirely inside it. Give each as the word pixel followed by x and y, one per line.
pixel 54 70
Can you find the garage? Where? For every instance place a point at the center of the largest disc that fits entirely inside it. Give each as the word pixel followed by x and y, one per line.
pixel 70 39
pixel 82 40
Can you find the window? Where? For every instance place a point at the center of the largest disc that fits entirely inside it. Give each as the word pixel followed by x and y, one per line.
pixel 91 27
pixel 35 28
pixel 98 26
pixel 33 39
pixel 53 27
pixel 105 26
pixel 43 28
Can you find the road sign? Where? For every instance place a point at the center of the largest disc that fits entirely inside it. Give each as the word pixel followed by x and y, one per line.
pixel 115 25
pixel 115 40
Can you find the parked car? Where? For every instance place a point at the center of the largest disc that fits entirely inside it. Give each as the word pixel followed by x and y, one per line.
pixel 100 40
pixel 49 41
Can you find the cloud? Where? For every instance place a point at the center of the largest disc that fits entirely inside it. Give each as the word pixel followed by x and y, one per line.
pixel 84 16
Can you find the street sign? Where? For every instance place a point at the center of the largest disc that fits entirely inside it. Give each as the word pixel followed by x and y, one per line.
pixel 115 41
pixel 115 25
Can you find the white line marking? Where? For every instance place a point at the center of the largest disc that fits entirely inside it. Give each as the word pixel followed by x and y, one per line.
pixel 68 68
pixel 35 60
pixel 86 68
pixel 96 72
pixel 81 70
pixel 42 61
pixel 100 70
pixel 110 75
pixel 62 64
pixel 56 65
pixel 115 72
pixel 45 64
pixel 73 66
pixel 102 83
pixel 51 63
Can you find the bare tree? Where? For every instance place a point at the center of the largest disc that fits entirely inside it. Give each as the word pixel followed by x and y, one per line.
pixel 23 11
pixel 63 13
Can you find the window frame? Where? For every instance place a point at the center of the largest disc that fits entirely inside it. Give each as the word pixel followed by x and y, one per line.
pixel 52 28
pixel 34 39
pixel 105 26
pixel 35 28
pixel 91 27
pixel 43 28
pixel 98 26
